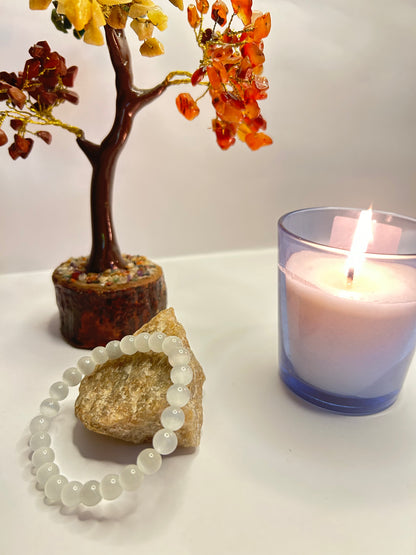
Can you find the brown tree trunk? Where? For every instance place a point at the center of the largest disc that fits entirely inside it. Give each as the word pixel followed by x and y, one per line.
pixel 105 252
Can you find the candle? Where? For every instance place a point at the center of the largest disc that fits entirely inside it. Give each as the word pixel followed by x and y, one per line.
pixel 350 339
pixel 347 320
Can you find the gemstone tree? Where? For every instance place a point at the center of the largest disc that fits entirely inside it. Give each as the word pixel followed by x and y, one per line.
pixel 230 71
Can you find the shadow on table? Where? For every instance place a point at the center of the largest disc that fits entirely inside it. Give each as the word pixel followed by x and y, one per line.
pixel 103 448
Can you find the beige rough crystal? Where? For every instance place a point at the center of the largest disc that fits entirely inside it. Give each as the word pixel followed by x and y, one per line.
pixel 124 398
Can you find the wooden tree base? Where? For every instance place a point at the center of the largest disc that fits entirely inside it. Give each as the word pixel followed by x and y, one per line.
pixel 91 314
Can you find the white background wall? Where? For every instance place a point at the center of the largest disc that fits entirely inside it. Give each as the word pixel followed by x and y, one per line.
pixel 341 110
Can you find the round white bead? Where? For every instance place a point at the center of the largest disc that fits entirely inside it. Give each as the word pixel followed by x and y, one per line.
pixel 45 472
pixel 156 340
pixel 99 355
pixel 39 439
pixel 71 494
pixel 127 345
pixel 179 357
pixel 181 374
pixel 59 391
pixel 171 344
pixel 39 424
pixel 53 487
pixel 42 455
pixel 90 493
pixel 178 395
pixel 131 477
pixel 72 376
pixel 86 364
pixel 49 407
pixel 141 342
pixel 149 461
pixel 113 349
pixel 172 418
pixel 165 441
pixel 110 487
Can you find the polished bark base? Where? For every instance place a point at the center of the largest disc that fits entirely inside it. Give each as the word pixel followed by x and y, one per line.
pixel 92 314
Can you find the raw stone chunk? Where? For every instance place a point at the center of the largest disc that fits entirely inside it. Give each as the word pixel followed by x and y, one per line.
pixel 125 397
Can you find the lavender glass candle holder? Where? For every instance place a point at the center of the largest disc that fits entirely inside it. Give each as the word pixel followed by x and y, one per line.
pixel 346 337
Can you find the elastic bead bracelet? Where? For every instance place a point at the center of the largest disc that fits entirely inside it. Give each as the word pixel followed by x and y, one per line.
pixel 56 487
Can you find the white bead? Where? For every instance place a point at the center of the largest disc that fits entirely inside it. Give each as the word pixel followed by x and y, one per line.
pixel 99 355
pixel 181 374
pixel 172 418
pixel 71 494
pixel 72 376
pixel 45 472
pixel 53 487
pixel 39 439
pixel 113 349
pixel 179 357
pixel 127 345
pixel 39 424
pixel 131 477
pixel 165 441
pixel 42 455
pixel 90 493
pixel 110 487
pixel 149 461
pixel 141 342
pixel 86 364
pixel 178 395
pixel 49 407
pixel 155 341
pixel 171 344
pixel 59 391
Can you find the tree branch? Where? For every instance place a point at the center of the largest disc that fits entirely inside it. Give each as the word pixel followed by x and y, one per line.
pixel 120 57
pixel 89 148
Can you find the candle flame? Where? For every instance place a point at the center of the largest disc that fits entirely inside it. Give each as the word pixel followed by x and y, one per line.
pixel 362 237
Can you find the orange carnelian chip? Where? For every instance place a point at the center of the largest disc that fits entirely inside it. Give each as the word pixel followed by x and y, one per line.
pixel 262 27
pixel 258 70
pixel 253 52
pixel 232 113
pixel 198 75
pixel 202 6
pixel 252 109
pixel 187 106
pixel 257 123
pixel 257 140
pixel 193 16
pixel 243 9
pixel 228 107
pixel 219 12
pixel 222 72
pixel 214 78
pixel 224 132
pixel 261 83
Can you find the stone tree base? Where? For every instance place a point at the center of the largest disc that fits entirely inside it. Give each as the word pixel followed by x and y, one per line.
pixel 97 308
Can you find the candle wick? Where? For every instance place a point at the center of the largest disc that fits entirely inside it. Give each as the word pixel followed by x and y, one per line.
pixel 350 276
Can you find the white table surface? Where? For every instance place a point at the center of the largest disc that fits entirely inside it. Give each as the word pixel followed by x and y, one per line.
pixel 272 475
